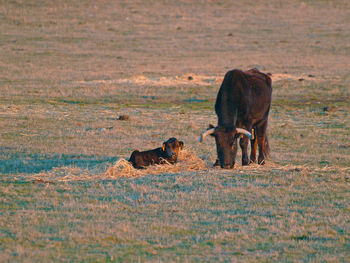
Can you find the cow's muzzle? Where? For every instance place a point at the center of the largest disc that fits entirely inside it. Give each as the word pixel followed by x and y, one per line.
pixel 227 166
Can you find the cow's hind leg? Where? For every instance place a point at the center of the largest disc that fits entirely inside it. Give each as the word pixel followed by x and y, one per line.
pixel 243 142
pixel 254 146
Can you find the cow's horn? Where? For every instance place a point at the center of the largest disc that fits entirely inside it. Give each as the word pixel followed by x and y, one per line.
pixel 245 132
pixel 204 134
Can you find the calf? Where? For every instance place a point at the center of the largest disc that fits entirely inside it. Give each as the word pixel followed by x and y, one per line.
pixel 168 153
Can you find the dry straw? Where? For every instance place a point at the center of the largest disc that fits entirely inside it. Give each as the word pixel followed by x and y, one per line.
pixel 187 161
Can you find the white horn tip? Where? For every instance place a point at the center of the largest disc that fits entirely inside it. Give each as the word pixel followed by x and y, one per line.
pixel 204 134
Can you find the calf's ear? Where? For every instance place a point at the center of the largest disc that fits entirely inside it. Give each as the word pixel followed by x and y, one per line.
pixel 181 144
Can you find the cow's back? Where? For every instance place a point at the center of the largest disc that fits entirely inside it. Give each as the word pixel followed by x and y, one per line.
pixel 260 94
pixel 242 96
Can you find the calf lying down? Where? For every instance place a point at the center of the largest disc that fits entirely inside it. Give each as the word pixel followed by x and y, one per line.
pixel 166 154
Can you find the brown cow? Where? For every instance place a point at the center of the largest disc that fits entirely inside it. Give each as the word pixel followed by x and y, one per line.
pixel 166 154
pixel 242 106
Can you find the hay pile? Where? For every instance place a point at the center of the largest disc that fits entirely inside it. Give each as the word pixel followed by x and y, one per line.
pixel 187 161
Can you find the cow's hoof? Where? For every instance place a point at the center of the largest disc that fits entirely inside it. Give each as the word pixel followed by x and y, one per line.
pixel 245 162
pixel 252 160
pixel 262 162
pixel 228 166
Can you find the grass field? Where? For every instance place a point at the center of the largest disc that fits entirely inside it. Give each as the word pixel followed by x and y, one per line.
pixel 69 69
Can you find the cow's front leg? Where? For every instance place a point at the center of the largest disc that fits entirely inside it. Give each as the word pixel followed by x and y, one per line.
pixel 243 142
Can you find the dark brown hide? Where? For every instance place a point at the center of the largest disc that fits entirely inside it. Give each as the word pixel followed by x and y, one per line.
pixel 168 153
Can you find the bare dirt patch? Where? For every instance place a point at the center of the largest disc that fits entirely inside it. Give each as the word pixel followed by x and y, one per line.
pixel 143 80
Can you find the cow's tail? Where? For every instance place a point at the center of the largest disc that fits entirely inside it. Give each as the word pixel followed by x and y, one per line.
pixel 266 150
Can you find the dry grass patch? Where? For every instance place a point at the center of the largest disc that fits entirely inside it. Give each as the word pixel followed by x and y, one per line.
pixel 183 80
pixel 186 80
pixel 188 161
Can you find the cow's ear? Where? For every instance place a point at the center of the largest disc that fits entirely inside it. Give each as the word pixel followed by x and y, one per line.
pixel 163 147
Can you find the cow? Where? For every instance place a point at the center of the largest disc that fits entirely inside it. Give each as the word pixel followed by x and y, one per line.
pixel 168 153
pixel 242 107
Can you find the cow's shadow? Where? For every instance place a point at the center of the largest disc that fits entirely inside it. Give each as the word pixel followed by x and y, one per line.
pixel 29 163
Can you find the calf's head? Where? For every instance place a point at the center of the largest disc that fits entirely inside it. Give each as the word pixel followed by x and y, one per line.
pixel 226 143
pixel 172 147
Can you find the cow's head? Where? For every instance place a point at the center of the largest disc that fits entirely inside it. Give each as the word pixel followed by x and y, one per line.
pixel 172 147
pixel 226 143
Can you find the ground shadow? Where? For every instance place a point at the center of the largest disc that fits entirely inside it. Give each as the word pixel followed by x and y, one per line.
pixel 17 163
